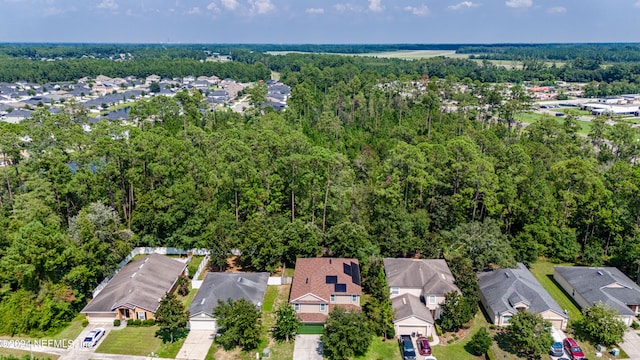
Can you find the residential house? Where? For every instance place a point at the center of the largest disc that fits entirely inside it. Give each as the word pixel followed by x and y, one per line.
pixel 320 284
pixel 427 279
pixel 504 292
pixel 220 287
pixel 591 285
pixel 136 290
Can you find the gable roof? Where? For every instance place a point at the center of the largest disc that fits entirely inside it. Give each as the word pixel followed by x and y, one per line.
pixel 223 286
pixel 432 275
pixel 407 305
pixel 602 284
pixel 310 277
pixel 505 288
pixel 142 283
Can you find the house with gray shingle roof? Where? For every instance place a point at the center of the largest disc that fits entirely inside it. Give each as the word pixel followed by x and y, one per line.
pixel 135 291
pixel 427 279
pixel 220 287
pixel 504 292
pixel 591 285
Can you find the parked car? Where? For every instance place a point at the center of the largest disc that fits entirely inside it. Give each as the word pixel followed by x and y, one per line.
pixel 556 349
pixel 573 350
pixel 424 348
pixel 93 337
pixel 430 358
pixel 406 346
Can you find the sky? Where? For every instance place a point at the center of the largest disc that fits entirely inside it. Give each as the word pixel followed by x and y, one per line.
pixel 320 21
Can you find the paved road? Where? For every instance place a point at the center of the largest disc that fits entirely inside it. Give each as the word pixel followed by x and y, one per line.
pixel 307 347
pixel 196 345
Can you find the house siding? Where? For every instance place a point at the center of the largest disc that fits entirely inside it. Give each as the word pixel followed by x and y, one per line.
pixel 345 299
pixel 569 290
pixel 412 323
pixel 555 319
pixel 312 308
pixel 133 313
pixel 404 290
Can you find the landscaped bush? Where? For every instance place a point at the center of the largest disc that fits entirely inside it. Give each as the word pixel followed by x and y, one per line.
pixel 134 323
pixel 85 322
pixel 635 325
pixel 116 322
pixel 148 322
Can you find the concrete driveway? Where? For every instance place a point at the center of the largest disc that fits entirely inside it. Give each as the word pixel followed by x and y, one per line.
pixel 77 352
pixel 196 345
pixel 308 347
pixel 631 344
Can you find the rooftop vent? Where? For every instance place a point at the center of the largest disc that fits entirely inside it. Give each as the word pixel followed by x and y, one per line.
pixel 147 259
pixel 330 261
pixel 404 301
pixel 141 265
pixel 306 281
pixel 134 274
pixel 202 302
pixel 599 272
pixel 240 279
pixel 506 274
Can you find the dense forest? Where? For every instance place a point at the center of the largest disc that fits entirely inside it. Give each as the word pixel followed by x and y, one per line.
pixel 355 167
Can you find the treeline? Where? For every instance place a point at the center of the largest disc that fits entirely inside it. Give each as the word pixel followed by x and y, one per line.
pixel 354 167
pixel 15 69
pixel 608 52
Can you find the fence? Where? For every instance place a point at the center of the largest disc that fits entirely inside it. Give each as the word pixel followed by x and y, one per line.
pixel 279 280
pixel 195 282
pixel 146 251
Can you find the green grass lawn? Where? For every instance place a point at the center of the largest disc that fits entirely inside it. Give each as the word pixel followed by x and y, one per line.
pixel 456 350
pixel 530 118
pixel 380 349
pixel 270 298
pixel 193 265
pixel 140 341
pixel 21 353
pixel 186 300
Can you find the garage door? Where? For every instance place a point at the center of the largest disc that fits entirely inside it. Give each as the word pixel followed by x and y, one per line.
pixel 101 318
pixel 557 324
pixel 410 330
pixel 209 324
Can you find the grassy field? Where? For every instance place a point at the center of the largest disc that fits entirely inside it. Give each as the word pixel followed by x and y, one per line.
pixel 530 118
pixel 140 341
pixel 270 298
pixel 68 333
pixel 21 353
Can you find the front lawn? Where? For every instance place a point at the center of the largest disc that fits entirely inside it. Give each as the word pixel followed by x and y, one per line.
pixel 139 341
pixel 73 330
pixel 22 353
pixel 388 349
pixel 457 350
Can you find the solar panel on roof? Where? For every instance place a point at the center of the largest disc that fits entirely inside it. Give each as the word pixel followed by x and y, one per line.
pixel 355 273
pixel 347 269
pixel 340 287
pixel 331 279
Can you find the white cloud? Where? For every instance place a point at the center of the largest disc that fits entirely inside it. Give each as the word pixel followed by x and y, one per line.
pixel 375 5
pixel 464 4
pixel 557 10
pixel 519 3
pixel 230 4
pixel 260 7
pixel 316 11
pixel 194 11
pixel 108 5
pixel 52 11
pixel 213 7
pixel 418 11
pixel 347 7
pixel 637 4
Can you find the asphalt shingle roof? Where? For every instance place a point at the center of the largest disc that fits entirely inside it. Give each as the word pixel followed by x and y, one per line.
pixel 310 277
pixel 141 283
pixel 223 286
pixel 504 288
pixel 602 284
pixel 408 305
pixel 432 275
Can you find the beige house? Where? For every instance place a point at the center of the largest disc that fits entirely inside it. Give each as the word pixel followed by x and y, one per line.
pixel 136 290
pixel 319 284
pixel 427 279
pixel 504 292
pixel 608 285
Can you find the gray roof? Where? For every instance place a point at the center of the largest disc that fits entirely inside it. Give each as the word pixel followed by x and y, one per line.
pixel 504 288
pixel 432 275
pixel 222 286
pixel 408 305
pixel 602 284
pixel 141 283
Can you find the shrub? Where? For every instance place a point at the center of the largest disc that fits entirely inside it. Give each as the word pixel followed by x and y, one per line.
pixel 635 325
pixel 85 322
pixel 116 322
pixel 148 322
pixel 480 342
pixel 134 323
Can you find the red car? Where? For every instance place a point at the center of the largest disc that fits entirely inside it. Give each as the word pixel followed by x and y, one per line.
pixel 572 348
pixel 423 346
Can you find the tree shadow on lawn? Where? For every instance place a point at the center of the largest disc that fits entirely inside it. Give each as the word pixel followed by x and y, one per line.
pixel 177 335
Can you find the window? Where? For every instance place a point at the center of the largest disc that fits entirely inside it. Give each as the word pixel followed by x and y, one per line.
pixel 506 319
pixel 432 299
pixel 395 290
pixel 323 307
pixel 296 307
pixel 332 298
pixel 354 298
pixel 142 315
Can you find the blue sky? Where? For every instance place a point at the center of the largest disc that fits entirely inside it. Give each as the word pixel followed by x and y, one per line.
pixel 320 21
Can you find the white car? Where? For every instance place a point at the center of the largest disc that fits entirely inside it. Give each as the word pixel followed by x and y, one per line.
pixel 93 337
pixel 430 358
